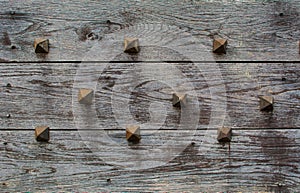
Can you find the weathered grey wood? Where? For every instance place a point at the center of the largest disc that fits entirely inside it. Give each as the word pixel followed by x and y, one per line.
pixel 41 94
pixel 255 30
pixel 256 161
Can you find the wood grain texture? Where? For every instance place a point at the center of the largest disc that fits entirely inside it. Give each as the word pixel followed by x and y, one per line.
pixel 43 93
pixel 255 30
pixel 264 153
pixel 256 161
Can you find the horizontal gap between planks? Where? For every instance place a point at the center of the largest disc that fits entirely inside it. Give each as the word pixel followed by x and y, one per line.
pixel 201 129
pixel 167 61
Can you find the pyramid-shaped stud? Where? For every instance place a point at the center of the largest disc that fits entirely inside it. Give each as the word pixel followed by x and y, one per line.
pixel 133 133
pixel 42 133
pixel 224 134
pixel 131 45
pixel 85 96
pixel 41 45
pixel 179 99
pixel 266 103
pixel 220 45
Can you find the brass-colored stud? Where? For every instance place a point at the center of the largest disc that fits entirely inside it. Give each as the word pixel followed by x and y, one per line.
pixel 220 45
pixel 41 45
pixel 133 134
pixel 42 133
pixel 266 103
pixel 131 45
pixel 224 134
pixel 85 96
pixel 179 99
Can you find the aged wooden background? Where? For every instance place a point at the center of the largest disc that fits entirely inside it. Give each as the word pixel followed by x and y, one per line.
pixel 263 43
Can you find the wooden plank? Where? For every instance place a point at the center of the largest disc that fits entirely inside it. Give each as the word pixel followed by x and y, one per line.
pixel 41 94
pixel 256 30
pixel 257 161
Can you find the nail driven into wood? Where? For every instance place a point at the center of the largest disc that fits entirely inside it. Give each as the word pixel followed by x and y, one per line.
pixel 179 99
pixel 42 133
pixel 8 85
pixel 85 96
pixel 131 45
pixel 8 116
pixel 220 45
pixel 133 134
pixel 266 103
pixel 224 134
pixel 41 45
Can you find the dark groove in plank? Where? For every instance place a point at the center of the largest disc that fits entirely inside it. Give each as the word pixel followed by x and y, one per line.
pixel 162 129
pixel 159 61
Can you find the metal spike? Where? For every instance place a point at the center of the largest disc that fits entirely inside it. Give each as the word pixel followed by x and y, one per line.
pixel 266 103
pixel 133 134
pixel 85 96
pixel 220 45
pixel 42 133
pixel 179 99
pixel 131 45
pixel 41 45
pixel 224 134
